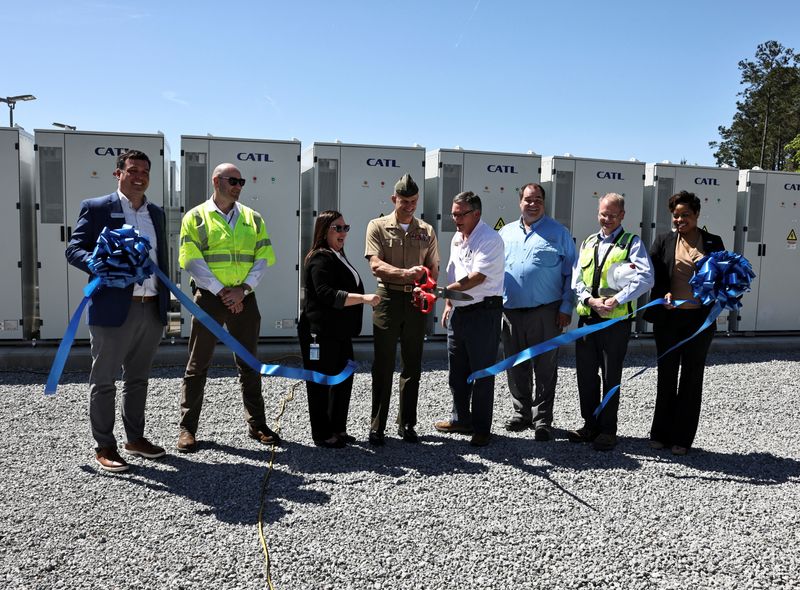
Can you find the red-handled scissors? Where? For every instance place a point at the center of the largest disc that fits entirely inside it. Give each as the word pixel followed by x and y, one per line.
pixel 425 297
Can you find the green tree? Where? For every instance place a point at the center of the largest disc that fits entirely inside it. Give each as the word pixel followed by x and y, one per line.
pixel 793 155
pixel 768 113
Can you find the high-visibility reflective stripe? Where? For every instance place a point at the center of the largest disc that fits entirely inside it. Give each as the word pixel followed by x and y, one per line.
pixel 263 243
pixel 202 230
pixel 228 258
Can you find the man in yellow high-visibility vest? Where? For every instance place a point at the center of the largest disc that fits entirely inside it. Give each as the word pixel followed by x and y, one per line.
pixel 603 353
pixel 226 249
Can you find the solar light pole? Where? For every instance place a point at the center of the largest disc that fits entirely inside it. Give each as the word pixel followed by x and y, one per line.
pixel 64 126
pixel 12 101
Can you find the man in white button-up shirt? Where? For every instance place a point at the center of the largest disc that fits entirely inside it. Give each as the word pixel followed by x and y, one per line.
pixel 473 336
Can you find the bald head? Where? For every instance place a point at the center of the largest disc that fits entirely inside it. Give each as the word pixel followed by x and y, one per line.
pixel 226 193
pixel 225 169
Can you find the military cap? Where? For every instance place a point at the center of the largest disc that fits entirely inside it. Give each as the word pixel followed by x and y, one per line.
pixel 406 187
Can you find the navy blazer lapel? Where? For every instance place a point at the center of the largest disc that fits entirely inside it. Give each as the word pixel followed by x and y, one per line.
pixel 116 216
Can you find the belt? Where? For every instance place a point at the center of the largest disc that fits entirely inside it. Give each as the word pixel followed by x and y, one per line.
pixel 495 302
pixel 144 298
pixel 529 308
pixel 395 287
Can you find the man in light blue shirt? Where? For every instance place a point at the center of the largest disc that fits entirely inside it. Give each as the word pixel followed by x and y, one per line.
pixel 537 304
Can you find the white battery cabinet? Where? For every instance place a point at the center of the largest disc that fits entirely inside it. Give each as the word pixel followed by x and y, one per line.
pixel 73 166
pixel 272 171
pixel 575 185
pixel 496 177
pixel 768 223
pixel 357 180
pixel 18 228
pixel 715 187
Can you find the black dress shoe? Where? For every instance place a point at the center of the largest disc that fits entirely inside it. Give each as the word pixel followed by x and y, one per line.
pixel 337 443
pixel 517 424
pixel 542 433
pixel 376 439
pixel 407 433
pixel 346 438
pixel 480 440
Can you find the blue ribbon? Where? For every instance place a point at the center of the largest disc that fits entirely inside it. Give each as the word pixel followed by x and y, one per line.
pixel 560 340
pixel 122 257
pixel 720 281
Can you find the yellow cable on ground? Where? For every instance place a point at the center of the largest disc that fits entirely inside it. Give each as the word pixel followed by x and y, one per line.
pixel 261 538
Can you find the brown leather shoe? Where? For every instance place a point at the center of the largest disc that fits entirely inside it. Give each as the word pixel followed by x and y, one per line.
pixel 450 426
pixel 108 459
pixel 144 448
pixel 264 435
pixel 480 440
pixel 187 443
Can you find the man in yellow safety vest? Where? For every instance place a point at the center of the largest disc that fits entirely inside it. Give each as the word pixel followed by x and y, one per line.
pixel 226 249
pixel 599 299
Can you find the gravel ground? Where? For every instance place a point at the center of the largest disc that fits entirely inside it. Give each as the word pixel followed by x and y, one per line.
pixel 516 514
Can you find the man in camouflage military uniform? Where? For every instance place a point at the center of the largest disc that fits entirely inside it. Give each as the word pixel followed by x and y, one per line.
pixel 398 246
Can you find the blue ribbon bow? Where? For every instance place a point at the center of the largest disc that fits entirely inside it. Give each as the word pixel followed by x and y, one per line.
pixel 122 257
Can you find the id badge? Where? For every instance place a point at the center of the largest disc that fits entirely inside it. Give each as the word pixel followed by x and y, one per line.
pixel 313 349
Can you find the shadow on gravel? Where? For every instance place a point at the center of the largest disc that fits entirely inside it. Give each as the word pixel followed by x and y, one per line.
pixel 443 454
pixel 763 469
pixel 229 490
pixel 395 459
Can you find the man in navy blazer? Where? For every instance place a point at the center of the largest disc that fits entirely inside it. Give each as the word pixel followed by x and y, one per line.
pixel 125 324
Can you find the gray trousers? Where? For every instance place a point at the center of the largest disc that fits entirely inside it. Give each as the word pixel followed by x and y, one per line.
pixel 130 347
pixel 523 329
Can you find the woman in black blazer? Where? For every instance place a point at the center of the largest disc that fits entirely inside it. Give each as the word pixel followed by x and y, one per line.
pixel 675 256
pixel 330 318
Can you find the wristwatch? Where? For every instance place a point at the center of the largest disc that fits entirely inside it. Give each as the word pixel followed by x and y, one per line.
pixel 246 290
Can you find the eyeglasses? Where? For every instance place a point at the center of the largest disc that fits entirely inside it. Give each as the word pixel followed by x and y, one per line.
pixel 234 181
pixel 340 228
pixel 460 215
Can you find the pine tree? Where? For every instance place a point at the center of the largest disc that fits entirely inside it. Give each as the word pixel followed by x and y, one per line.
pixel 768 115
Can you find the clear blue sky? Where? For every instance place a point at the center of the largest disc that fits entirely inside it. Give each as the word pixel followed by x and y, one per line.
pixel 596 79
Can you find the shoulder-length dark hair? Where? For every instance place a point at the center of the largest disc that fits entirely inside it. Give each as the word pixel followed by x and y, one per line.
pixel 321 226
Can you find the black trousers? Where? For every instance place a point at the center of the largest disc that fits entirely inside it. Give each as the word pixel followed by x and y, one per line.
pixel 678 401
pixel 602 352
pixel 328 405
